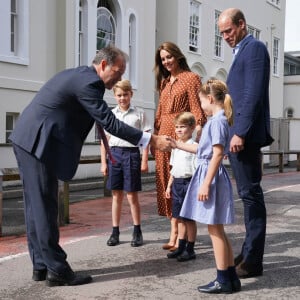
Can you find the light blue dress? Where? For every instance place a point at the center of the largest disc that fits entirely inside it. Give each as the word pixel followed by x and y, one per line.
pixel 219 208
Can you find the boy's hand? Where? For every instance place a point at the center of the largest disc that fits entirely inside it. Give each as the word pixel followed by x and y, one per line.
pixel 152 151
pixel 168 193
pixel 144 167
pixel 104 169
pixel 173 143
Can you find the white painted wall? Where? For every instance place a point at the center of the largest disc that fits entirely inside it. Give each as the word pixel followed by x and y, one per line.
pixel 52 44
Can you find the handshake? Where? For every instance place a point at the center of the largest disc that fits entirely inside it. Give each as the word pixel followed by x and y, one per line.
pixel 162 143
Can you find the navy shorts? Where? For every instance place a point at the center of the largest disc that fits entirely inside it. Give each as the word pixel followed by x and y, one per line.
pixel 125 173
pixel 179 189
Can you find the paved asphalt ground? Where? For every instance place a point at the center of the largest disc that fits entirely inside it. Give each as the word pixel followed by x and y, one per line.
pixel 123 272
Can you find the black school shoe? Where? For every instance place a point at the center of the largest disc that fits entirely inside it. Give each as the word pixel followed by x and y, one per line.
pixel 185 256
pixel 113 240
pixel 137 239
pixel 236 285
pixel 68 278
pixel 215 287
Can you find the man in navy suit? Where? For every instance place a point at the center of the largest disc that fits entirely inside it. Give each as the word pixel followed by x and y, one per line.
pixel 248 84
pixel 47 142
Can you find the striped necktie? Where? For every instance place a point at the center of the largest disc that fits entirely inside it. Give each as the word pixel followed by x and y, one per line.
pixel 105 143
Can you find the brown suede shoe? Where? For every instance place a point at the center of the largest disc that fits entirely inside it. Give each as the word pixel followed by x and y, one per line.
pixel 167 246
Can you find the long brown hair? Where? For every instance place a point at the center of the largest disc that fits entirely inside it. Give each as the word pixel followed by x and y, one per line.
pixel 159 70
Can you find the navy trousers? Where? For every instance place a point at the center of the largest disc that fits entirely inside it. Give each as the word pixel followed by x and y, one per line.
pixel 40 192
pixel 247 170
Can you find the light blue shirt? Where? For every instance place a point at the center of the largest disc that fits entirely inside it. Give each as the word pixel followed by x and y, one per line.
pixel 236 49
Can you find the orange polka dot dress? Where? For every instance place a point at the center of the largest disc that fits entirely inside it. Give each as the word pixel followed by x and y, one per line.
pixel 179 96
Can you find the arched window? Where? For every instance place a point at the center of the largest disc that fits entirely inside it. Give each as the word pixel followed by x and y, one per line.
pixel 106 26
pixel 200 70
pixel 132 49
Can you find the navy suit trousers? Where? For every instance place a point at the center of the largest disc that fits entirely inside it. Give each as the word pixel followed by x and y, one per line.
pixel 40 186
pixel 247 170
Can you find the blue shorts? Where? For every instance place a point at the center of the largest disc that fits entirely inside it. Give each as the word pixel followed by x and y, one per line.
pixel 125 173
pixel 179 189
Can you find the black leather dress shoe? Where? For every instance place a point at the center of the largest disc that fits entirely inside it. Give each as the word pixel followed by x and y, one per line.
pixel 69 278
pixel 39 275
pixel 137 239
pixel 216 287
pixel 185 256
pixel 113 240
pixel 246 270
pixel 238 259
pixel 236 285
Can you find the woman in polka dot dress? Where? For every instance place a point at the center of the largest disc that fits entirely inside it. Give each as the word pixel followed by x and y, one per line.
pixel 178 89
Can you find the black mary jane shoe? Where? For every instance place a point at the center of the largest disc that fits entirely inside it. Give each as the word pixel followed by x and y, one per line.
pixel 69 278
pixel 215 287
pixel 39 275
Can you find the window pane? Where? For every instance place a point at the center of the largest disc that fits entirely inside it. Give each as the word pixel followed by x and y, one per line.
pixel 105 28
pixel 9 122
pixel 218 37
pixel 194 27
pixel 13 6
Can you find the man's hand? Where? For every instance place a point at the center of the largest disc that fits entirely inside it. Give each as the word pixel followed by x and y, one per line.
pixel 161 142
pixel 236 144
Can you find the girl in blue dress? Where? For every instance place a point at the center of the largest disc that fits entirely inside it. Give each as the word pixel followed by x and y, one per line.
pixel 209 198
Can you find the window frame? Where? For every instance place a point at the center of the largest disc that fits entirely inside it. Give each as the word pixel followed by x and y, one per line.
pixel 275 56
pixel 112 35
pixel 14 42
pixel 218 40
pixel 132 49
pixel 194 26
pixel 253 31
pixel 8 131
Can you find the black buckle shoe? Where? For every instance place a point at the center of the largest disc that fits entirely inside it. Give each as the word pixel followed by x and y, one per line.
pixel 39 275
pixel 113 240
pixel 216 287
pixel 137 239
pixel 69 278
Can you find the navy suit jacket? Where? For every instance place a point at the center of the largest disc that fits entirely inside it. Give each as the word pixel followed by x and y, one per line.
pixel 54 126
pixel 248 85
